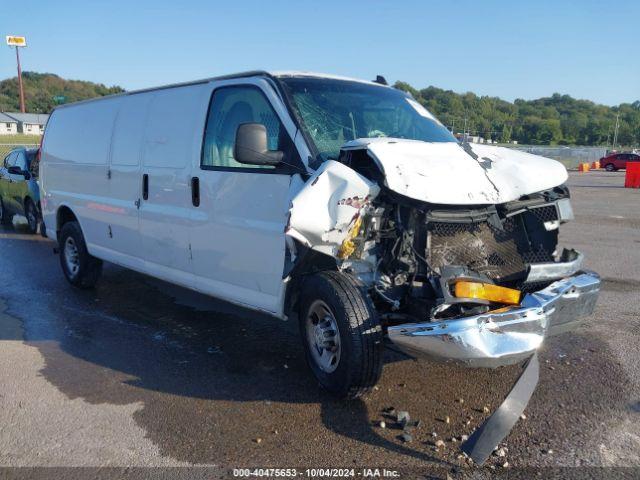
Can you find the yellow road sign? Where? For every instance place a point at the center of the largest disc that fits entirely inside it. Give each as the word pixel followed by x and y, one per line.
pixel 14 41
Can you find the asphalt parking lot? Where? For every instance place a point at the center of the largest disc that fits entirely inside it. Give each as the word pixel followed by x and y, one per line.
pixel 142 373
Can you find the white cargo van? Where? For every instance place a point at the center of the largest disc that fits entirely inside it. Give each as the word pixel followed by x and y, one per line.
pixel 343 201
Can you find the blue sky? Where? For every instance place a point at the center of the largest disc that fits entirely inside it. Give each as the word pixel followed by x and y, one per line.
pixel 511 49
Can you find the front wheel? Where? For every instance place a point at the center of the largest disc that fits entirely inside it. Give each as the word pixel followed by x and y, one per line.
pixel 81 269
pixel 609 167
pixel 341 334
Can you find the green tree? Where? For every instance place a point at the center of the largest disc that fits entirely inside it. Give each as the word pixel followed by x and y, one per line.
pixel 558 119
pixel 41 88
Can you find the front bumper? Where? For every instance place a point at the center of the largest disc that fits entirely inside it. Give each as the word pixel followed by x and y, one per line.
pixel 506 336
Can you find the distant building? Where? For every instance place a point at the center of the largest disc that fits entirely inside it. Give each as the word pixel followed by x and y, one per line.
pixel 8 125
pixel 469 138
pixel 29 123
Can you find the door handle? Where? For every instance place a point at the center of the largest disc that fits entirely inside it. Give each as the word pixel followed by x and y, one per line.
pixel 145 187
pixel 195 191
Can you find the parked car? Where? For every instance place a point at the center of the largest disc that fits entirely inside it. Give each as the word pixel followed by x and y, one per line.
pixel 341 202
pixel 19 191
pixel 616 161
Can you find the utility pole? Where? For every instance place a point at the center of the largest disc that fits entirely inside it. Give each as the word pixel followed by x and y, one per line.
pixel 464 132
pixel 18 42
pixel 615 131
pixel 22 108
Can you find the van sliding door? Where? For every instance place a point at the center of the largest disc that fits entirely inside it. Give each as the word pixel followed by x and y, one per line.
pixel 172 139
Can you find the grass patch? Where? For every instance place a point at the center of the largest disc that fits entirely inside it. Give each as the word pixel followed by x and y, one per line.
pixel 20 138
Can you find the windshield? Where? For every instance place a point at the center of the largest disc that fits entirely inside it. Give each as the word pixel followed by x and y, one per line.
pixel 336 111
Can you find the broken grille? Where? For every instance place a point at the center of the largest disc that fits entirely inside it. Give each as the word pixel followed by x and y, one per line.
pixel 548 213
pixel 500 254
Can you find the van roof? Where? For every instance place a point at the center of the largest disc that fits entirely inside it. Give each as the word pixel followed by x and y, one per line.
pixel 247 74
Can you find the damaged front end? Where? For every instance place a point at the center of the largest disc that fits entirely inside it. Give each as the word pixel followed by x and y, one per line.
pixel 478 280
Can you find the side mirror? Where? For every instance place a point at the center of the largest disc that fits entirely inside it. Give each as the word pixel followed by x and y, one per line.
pixel 14 170
pixel 251 146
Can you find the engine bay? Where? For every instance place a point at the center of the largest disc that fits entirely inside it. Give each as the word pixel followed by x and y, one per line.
pixel 412 253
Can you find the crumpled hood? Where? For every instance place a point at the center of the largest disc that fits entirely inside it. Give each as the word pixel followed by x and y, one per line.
pixel 445 173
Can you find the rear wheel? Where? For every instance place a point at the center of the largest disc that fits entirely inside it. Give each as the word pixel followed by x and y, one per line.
pixel 341 334
pixel 609 167
pixel 5 218
pixel 31 213
pixel 81 269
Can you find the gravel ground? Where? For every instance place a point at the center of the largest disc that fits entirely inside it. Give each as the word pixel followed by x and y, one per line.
pixel 139 373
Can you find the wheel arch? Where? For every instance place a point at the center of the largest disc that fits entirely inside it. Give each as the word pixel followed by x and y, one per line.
pixel 309 262
pixel 63 215
pixel 26 199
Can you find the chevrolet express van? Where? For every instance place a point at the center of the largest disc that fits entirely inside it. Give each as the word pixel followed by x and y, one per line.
pixel 341 202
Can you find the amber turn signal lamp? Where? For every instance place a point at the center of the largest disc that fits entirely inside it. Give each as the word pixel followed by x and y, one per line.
pixel 487 291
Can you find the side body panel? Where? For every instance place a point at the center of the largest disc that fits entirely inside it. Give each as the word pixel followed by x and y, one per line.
pixel 232 245
pixel 125 183
pixel 238 237
pixel 75 165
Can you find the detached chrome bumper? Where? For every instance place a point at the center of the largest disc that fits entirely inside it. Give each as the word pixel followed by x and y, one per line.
pixel 507 336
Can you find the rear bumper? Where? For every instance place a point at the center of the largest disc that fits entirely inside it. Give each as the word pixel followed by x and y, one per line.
pixel 501 338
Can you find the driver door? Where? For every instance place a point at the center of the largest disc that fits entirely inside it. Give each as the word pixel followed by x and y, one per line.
pixel 237 235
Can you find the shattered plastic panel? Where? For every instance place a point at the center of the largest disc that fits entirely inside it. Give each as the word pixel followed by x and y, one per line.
pixel 328 206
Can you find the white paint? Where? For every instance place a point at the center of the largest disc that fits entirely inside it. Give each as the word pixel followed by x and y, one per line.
pixel 302 73
pixel 319 216
pixel 170 153
pixel 233 246
pixel 443 173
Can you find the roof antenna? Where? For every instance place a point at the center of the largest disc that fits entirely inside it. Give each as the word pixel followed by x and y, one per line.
pixel 381 80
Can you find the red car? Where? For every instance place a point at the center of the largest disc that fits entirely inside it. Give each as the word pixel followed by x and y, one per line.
pixel 615 161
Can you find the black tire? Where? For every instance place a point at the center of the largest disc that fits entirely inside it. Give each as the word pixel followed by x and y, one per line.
pixel 609 167
pixel 359 360
pixel 31 213
pixel 80 269
pixel 5 218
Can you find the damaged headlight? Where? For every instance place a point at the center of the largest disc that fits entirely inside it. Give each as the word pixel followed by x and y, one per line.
pixel 349 246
